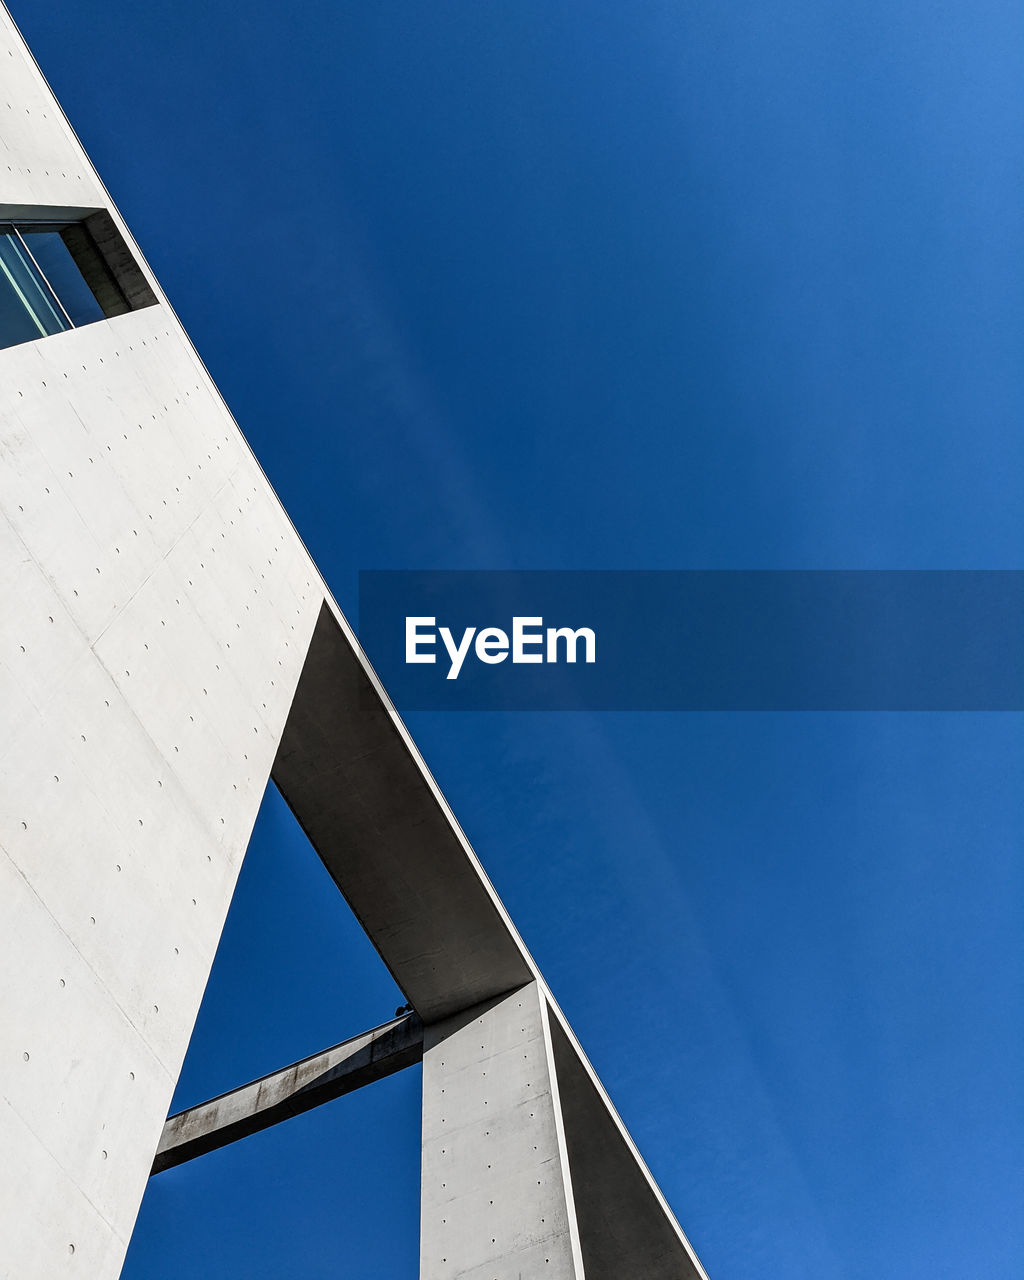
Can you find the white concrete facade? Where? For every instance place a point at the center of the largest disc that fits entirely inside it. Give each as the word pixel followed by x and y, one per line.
pixel 162 620
pixel 496 1186
pixel 157 606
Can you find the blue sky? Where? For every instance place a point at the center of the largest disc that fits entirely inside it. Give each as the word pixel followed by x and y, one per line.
pixel 658 285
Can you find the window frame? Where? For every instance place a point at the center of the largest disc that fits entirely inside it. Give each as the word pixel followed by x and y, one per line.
pixel 97 249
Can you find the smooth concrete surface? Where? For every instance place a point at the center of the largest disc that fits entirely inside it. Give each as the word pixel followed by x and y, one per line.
pixel 41 162
pixel 387 839
pixel 157 607
pixel 290 1092
pixel 497 1199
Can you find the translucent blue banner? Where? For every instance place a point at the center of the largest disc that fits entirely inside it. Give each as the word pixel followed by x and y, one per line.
pixel 697 641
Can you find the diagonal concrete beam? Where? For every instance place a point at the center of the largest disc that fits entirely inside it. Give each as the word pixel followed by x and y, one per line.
pixel 290 1091
pixel 365 799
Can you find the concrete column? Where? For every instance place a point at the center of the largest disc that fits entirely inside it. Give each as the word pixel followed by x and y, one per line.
pixel 496 1200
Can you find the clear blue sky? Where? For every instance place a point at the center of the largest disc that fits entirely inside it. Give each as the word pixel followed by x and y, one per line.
pixel 649 285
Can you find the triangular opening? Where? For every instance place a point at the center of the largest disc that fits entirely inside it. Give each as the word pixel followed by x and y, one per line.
pixel 334 1192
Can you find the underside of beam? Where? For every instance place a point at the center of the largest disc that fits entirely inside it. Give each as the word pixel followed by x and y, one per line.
pixel 382 830
pixel 625 1227
pixel 290 1091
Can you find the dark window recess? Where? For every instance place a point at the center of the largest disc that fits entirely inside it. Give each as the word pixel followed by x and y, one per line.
pixel 59 275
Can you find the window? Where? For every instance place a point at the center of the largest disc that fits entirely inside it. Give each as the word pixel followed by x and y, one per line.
pixel 60 275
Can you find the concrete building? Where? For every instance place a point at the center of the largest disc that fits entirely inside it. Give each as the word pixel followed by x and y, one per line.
pixel 166 646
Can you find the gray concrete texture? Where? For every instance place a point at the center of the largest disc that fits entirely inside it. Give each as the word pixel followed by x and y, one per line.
pixel 497 1199
pixel 290 1092
pixel 158 606
pixel 376 819
pixel 160 610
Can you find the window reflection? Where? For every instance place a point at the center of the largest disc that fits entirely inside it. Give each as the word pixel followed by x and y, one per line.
pixel 28 307
pixel 53 277
pixel 53 258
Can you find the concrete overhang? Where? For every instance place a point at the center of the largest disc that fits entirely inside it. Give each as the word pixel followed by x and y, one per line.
pixel 364 798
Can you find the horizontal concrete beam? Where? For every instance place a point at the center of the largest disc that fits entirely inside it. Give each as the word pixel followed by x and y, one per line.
pixel 290 1091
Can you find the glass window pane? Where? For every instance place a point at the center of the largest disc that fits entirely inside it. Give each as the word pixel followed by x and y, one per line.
pixel 62 274
pixel 27 308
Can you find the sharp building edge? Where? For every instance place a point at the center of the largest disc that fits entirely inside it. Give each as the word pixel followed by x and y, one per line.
pixel 166 645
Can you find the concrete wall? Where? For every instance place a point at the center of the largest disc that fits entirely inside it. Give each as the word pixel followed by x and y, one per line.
pixel 497 1199
pixel 157 609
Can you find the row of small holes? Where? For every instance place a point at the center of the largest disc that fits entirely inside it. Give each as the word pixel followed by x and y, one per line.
pixel 487 1132
pixel 10 169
